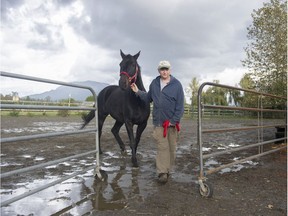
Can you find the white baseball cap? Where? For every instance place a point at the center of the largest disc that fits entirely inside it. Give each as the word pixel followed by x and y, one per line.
pixel 164 64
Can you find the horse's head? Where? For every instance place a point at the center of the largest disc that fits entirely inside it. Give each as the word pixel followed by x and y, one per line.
pixel 129 70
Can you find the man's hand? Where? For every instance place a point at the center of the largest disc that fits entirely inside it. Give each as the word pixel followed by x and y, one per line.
pixel 134 87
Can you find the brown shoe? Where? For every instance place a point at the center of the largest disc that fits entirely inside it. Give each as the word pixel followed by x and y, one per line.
pixel 163 178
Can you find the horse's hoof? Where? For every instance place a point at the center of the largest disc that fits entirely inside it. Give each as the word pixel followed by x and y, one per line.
pixel 135 165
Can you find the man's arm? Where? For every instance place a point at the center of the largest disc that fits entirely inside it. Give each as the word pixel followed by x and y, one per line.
pixel 179 109
pixel 142 94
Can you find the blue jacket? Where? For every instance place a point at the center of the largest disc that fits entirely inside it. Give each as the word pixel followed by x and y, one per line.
pixel 168 104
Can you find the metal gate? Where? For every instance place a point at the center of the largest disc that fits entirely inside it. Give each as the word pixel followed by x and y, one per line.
pixel 205 188
pixel 98 173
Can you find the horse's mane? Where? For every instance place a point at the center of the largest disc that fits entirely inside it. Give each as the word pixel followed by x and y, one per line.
pixel 139 81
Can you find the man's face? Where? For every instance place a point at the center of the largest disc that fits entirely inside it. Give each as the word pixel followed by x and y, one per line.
pixel 164 73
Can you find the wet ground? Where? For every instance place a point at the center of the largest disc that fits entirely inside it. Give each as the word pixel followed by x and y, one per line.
pixel 257 187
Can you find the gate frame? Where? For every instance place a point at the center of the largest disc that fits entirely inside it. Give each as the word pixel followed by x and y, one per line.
pixel 205 188
pixel 98 173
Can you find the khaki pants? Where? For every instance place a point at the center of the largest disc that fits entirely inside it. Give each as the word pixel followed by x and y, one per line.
pixel 166 149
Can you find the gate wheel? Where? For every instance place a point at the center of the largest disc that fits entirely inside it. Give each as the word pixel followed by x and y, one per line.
pixel 207 190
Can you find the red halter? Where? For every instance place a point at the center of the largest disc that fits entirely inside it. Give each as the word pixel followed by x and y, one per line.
pixel 130 78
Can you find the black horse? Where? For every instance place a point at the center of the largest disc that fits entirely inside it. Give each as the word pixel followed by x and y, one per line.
pixel 123 105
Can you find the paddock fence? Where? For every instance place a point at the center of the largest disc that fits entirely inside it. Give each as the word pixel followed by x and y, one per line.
pixel 8 140
pixel 189 111
pixel 260 111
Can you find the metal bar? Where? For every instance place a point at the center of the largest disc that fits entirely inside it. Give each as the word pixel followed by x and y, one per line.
pixel 242 108
pixel 199 128
pixel 242 148
pixel 260 148
pixel 97 143
pixel 20 76
pixel 36 190
pixel 241 89
pixel 46 135
pixel 30 168
pixel 239 129
pixel 243 160
pixel 16 106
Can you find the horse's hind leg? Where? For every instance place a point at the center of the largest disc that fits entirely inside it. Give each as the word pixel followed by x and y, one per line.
pixel 115 130
pixel 101 120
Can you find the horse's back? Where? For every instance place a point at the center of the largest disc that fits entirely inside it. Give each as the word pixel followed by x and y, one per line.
pixel 107 91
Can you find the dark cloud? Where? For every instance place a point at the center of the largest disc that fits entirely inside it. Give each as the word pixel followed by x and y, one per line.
pixel 64 2
pixel 210 35
pixel 7 5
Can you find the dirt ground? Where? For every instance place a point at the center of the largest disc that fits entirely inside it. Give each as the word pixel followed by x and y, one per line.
pixel 257 187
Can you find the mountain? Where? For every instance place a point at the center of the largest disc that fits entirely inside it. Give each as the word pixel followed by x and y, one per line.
pixel 78 94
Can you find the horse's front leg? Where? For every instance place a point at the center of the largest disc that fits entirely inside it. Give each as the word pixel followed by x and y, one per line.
pixel 139 132
pixel 129 128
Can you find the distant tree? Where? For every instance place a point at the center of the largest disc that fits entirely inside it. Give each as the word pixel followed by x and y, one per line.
pixel 215 95
pixel 90 98
pixel 266 54
pixel 247 82
pixel 192 90
pixel 248 99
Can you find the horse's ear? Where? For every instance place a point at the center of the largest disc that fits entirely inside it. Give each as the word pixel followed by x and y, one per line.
pixel 122 54
pixel 137 55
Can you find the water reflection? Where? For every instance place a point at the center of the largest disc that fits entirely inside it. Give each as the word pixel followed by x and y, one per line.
pixel 113 194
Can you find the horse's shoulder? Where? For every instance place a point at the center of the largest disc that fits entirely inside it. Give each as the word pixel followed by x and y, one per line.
pixel 109 87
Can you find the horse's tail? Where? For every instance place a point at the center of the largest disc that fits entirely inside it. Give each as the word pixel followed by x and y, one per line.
pixel 87 118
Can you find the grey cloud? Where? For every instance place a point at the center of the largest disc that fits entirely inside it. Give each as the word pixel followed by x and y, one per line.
pixel 6 5
pixel 48 38
pixel 64 2
pixel 105 28
pixel 195 31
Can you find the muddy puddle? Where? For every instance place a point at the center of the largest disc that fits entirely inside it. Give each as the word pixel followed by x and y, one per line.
pixel 127 190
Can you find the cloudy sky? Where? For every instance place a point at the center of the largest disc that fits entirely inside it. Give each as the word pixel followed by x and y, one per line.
pixel 70 40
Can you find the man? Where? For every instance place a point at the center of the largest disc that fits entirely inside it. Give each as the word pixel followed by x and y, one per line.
pixel 167 95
